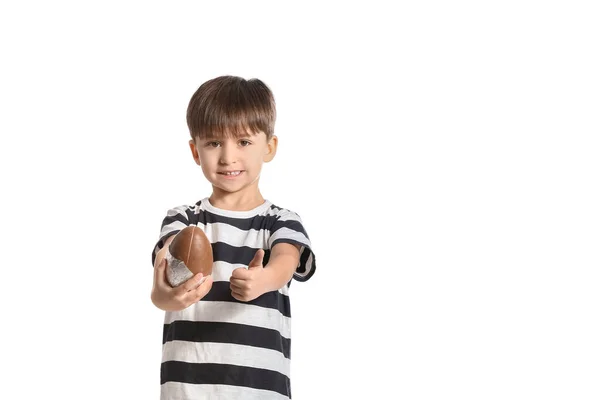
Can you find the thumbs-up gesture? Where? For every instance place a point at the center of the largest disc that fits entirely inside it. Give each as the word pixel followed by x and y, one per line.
pixel 247 284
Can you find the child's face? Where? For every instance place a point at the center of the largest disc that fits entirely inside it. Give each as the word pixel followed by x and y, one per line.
pixel 241 157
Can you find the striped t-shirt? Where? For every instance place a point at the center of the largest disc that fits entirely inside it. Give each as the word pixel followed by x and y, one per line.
pixel 219 347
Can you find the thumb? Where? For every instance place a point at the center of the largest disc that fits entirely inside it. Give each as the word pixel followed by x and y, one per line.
pixel 257 260
pixel 161 273
pixel 158 266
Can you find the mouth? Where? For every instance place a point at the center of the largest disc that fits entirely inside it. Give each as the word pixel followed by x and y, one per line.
pixel 231 174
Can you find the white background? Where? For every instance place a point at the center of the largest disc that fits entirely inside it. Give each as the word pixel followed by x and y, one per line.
pixel 443 155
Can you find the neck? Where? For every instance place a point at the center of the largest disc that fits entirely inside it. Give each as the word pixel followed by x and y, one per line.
pixel 236 201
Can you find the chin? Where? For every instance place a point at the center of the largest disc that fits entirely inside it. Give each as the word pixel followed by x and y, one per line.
pixel 232 188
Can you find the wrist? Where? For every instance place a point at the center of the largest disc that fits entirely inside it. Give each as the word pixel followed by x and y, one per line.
pixel 267 280
pixel 274 278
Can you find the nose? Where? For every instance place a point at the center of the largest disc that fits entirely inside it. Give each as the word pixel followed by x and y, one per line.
pixel 228 154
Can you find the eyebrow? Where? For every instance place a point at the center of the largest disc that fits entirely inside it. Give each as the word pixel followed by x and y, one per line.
pixel 246 136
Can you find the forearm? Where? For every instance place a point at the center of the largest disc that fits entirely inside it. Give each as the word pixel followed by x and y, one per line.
pixel 155 295
pixel 279 271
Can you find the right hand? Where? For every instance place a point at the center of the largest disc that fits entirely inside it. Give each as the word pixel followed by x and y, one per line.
pixel 169 298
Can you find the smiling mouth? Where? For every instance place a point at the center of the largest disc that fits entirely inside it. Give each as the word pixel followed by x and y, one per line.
pixel 231 173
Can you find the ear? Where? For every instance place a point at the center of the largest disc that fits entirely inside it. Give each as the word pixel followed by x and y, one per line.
pixel 271 149
pixel 194 152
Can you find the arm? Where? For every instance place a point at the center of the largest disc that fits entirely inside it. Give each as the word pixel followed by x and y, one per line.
pixel 248 284
pixel 282 264
pixel 168 298
pixel 160 256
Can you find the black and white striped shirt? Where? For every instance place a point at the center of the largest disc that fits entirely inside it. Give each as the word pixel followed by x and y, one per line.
pixel 219 347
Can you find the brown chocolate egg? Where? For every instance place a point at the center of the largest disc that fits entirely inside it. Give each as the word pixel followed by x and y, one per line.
pixel 189 253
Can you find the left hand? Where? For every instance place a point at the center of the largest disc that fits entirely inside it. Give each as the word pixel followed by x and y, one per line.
pixel 246 284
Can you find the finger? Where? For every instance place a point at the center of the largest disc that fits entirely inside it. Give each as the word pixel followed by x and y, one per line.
pixel 240 273
pixel 257 259
pixel 194 295
pixel 158 268
pixel 189 285
pixel 258 255
pixel 160 274
pixel 193 282
pixel 238 282
pixel 203 289
pixel 236 296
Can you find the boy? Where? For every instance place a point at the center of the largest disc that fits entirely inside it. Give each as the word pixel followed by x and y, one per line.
pixel 229 337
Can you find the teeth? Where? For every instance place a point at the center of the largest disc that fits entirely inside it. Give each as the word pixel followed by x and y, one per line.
pixel 232 173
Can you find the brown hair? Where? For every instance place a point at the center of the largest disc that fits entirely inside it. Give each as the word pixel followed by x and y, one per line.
pixel 228 106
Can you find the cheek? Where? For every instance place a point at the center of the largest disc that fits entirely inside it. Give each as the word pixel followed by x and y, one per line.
pixel 259 154
pixel 257 160
pixel 208 157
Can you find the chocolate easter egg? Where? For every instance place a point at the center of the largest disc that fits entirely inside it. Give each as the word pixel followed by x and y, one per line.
pixel 189 253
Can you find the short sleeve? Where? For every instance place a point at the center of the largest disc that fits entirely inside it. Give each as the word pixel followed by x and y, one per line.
pixel 288 228
pixel 177 218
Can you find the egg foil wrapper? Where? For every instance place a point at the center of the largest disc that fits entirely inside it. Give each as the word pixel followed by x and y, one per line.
pixel 177 271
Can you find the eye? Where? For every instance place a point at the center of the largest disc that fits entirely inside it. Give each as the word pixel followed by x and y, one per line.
pixel 213 144
pixel 245 143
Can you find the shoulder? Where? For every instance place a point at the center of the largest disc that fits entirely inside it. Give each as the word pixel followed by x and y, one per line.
pixel 184 212
pixel 181 209
pixel 282 213
pixel 284 220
